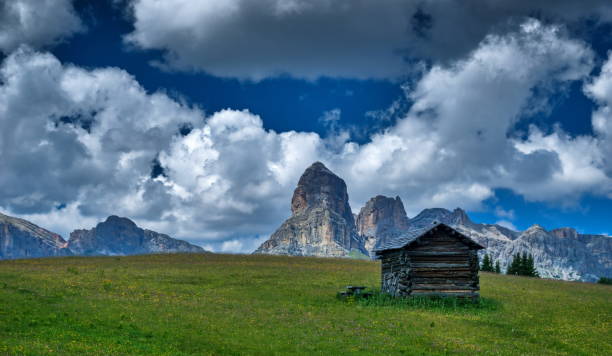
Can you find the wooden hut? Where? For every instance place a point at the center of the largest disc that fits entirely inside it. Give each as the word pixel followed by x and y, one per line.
pixel 436 261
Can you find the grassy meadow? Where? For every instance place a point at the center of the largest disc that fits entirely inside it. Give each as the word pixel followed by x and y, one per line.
pixel 214 304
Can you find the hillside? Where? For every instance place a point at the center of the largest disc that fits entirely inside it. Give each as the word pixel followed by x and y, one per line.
pixel 234 304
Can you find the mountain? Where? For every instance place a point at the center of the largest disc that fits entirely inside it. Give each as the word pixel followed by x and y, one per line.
pixel 121 236
pixel 381 218
pixel 22 239
pixel 321 224
pixel 564 253
pixel 560 253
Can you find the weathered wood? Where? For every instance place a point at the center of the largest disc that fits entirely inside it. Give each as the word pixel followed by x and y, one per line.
pixel 438 253
pixel 439 265
pixel 437 268
pixel 460 294
pixel 441 262
pixel 447 291
pixel 442 280
pixel 443 287
pixel 442 275
pixel 441 248
pixel 440 259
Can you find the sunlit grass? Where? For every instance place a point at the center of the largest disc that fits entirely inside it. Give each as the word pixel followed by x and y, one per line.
pixel 266 305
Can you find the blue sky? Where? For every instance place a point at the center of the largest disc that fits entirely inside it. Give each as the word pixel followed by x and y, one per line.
pixel 490 108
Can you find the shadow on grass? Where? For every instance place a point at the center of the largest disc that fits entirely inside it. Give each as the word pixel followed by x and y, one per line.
pixel 448 304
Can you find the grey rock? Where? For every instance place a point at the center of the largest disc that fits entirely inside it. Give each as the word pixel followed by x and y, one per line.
pixel 22 239
pixel 121 236
pixel 321 224
pixel 381 218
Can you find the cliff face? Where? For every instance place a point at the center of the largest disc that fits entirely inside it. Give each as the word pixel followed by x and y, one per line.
pixel 321 224
pixel 22 239
pixel 121 236
pixel 381 218
pixel 562 253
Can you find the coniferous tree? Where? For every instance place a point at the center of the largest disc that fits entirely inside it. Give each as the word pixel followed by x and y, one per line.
pixel 510 270
pixel 487 266
pixel 530 269
pixel 515 265
pixel 524 267
pixel 497 267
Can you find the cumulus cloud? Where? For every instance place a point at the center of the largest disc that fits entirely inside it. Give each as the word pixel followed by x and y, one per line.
pixel 37 23
pixel 78 145
pixel 342 38
pixel 83 142
pixel 600 89
pixel 455 145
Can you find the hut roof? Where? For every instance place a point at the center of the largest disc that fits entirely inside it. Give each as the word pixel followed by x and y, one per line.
pixel 413 235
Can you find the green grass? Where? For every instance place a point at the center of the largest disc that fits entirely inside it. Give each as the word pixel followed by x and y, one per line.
pixel 267 305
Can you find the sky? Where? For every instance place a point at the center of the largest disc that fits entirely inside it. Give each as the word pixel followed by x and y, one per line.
pixel 196 118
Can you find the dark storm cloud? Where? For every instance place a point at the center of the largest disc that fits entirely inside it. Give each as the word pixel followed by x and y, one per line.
pixel 340 38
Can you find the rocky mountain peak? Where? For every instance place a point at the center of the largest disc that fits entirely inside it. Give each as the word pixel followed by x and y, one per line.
pixel 460 217
pixel 119 221
pixel 382 217
pixel 320 187
pixel 121 236
pixel 535 228
pixel 441 215
pixel 565 232
pixel 22 239
pixel 322 223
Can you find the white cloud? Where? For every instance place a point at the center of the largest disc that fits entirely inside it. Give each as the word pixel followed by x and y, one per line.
pixel 37 23
pixel 245 245
pixel 507 224
pixel 70 135
pixel 502 213
pixel 341 38
pixel 581 167
pixel 90 140
pixel 454 145
pixel 600 90
pixel 87 139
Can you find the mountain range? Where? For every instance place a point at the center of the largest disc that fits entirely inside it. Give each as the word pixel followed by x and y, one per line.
pixel 321 225
pixel 115 236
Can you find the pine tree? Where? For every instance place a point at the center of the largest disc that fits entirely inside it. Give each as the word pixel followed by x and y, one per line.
pixel 510 269
pixel 487 266
pixel 497 267
pixel 515 265
pixel 530 269
pixel 524 267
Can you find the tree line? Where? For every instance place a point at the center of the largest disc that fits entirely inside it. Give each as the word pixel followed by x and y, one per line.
pixel 521 265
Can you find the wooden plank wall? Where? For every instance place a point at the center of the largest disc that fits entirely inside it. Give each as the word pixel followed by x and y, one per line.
pixel 438 265
pixel 395 273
